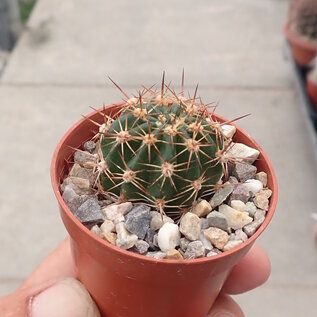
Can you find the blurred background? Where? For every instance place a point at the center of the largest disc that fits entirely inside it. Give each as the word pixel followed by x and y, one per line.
pixel 54 60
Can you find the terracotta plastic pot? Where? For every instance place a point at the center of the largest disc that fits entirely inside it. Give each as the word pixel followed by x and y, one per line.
pixel 311 87
pixel 126 284
pixel 302 51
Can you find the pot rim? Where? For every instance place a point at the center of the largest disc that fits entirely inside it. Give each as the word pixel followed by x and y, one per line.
pixel 296 39
pixel 123 252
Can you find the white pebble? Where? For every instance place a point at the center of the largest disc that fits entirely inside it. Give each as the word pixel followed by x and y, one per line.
pixel 238 205
pixel 107 226
pixel 242 153
pixel 236 219
pixel 168 237
pixel 125 239
pixel 254 186
pixel 228 130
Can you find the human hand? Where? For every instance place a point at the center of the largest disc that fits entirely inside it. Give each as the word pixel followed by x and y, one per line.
pixel 53 291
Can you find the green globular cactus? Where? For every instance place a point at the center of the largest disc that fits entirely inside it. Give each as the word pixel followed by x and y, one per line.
pixel 162 149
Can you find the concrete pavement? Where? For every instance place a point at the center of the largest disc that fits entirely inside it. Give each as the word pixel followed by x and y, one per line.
pixel 233 48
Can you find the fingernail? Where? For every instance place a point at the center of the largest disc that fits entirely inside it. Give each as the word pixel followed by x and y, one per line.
pixel 221 313
pixel 67 298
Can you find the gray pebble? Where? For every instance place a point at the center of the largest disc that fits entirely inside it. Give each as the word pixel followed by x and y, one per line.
pixel 218 220
pixel 69 194
pixel 259 214
pixel 81 186
pixel 184 244
pixel 240 235
pixel 138 220
pixel 89 146
pixel 156 255
pixel 204 223
pixel 251 228
pixel 96 230
pixel 250 208
pixel 149 238
pixel 76 202
pixel 211 253
pixel 244 171
pixel 140 247
pixel 221 194
pixel 241 192
pixel 89 212
pixel 194 250
pixel 83 157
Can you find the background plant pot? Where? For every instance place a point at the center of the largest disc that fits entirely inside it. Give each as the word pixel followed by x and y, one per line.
pixel 311 87
pixel 130 285
pixel 302 51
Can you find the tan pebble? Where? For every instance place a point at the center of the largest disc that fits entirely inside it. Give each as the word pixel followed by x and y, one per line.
pixel 111 237
pixel 202 209
pixel 107 226
pixel 217 237
pixel 190 226
pixel 174 255
pixel 261 199
pixel 262 177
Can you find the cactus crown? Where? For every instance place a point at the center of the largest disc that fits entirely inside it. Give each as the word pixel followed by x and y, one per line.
pixel 162 149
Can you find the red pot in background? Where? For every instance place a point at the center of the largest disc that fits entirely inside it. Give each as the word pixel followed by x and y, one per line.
pixel 130 285
pixel 302 51
pixel 311 87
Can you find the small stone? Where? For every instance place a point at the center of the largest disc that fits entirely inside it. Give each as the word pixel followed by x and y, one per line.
pixel 78 171
pixel 221 194
pixel 104 203
pixel 69 194
pixel 250 208
pixel 211 253
pixel 218 220
pixel 233 180
pixel 174 255
pixel 240 235
pixel 107 226
pixel 260 213
pixel 204 223
pixel 202 208
pixel 76 202
pixel 157 255
pixel 138 220
pixel 125 239
pixel 206 243
pixel 194 250
pixel 168 237
pixel 89 212
pixel 244 171
pixel 232 236
pixel 111 237
pixel 243 153
pixel 253 226
pixel 89 146
pixel 115 212
pixel 184 244
pixel 190 226
pixel 236 219
pixel 96 230
pixel 81 186
pixel 228 130
pixel 232 244
pixel 241 192
pixel 217 237
pixel 83 157
pixel 157 222
pixel 261 199
pixel 141 247
pixel 254 186
pixel 155 241
pixel 262 177
pixel 238 205
pixel 149 236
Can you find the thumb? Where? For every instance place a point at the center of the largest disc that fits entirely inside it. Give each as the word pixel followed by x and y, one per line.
pixel 67 298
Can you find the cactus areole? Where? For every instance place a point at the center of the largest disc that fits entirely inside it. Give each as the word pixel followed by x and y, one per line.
pixel 162 149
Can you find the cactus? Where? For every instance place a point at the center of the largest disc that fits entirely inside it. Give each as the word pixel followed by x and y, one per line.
pixel 162 149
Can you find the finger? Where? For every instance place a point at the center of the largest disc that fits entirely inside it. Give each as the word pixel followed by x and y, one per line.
pixel 225 306
pixel 57 265
pixel 252 271
pixel 67 298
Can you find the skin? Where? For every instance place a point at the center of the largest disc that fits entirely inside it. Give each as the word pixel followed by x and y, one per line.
pixel 53 284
